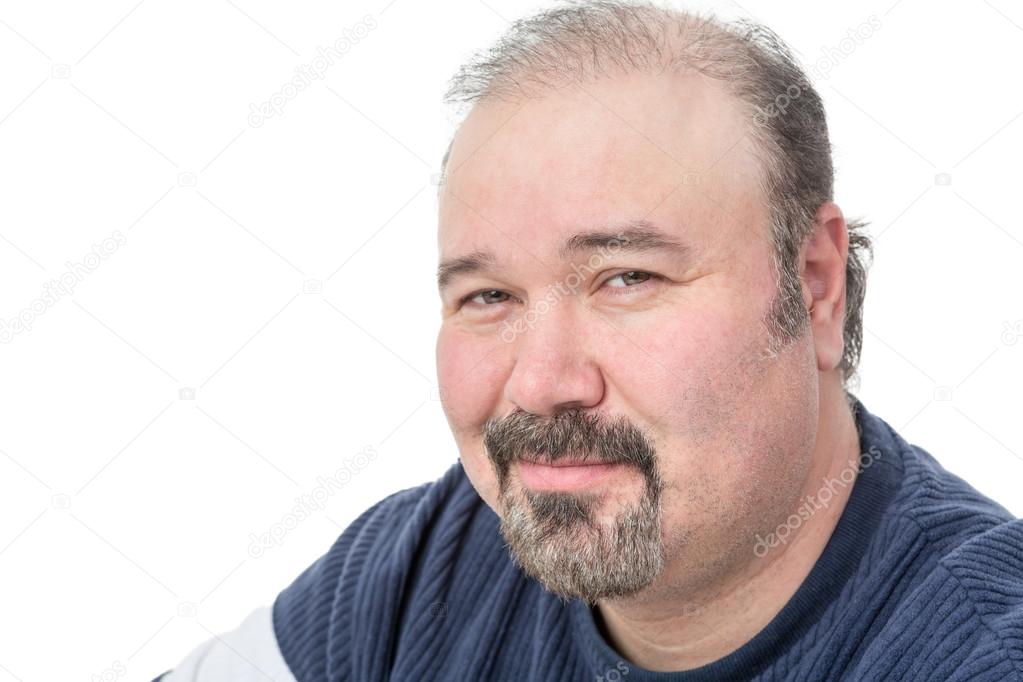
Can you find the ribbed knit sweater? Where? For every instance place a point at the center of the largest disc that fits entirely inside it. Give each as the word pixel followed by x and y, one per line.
pixel 922 579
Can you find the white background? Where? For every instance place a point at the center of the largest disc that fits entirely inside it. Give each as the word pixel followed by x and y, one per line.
pixel 126 511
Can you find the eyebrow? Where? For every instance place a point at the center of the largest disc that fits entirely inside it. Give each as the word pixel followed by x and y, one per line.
pixel 636 236
pixel 477 261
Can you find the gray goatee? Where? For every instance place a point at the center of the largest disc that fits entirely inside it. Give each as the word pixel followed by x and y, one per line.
pixel 556 536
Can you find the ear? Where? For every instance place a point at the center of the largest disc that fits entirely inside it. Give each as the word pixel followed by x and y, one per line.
pixel 822 271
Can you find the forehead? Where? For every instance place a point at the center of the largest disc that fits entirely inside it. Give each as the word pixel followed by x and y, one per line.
pixel 675 148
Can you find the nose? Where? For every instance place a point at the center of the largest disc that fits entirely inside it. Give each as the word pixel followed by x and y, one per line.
pixel 553 369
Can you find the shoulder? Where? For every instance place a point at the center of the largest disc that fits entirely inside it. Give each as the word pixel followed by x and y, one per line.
pixel 358 585
pixel 960 613
pixel 939 509
pixel 987 572
pixel 970 539
pixel 377 540
pixel 963 617
pixel 248 652
pixel 287 641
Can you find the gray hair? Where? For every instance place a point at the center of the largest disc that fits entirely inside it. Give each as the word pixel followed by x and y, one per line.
pixel 580 40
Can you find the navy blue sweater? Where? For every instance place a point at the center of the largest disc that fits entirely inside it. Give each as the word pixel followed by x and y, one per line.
pixel 921 580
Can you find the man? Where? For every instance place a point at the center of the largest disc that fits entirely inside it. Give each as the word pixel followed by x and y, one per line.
pixel 651 316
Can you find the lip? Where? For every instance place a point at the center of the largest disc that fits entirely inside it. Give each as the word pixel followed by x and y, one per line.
pixel 567 474
pixel 562 462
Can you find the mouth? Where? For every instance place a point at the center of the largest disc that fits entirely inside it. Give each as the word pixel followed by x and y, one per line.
pixel 567 473
pixel 561 461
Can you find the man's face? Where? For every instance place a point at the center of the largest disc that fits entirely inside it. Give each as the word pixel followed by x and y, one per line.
pixel 648 355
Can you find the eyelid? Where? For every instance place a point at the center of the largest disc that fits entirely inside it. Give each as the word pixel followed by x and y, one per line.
pixel 652 277
pixel 468 297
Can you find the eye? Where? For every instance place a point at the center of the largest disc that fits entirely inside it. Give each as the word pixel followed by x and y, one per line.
pixel 627 279
pixel 485 297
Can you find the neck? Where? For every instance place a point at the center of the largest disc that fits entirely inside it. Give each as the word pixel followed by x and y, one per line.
pixel 688 632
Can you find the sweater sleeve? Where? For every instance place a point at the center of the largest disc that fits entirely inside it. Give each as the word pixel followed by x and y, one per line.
pixel 300 620
pixel 247 652
pixel 965 620
pixel 989 571
pixel 311 615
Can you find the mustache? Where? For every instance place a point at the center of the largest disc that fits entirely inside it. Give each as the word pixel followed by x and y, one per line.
pixel 523 435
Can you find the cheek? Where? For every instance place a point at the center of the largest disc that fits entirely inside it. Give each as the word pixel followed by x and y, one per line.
pixel 735 428
pixel 684 369
pixel 471 371
pixel 700 377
